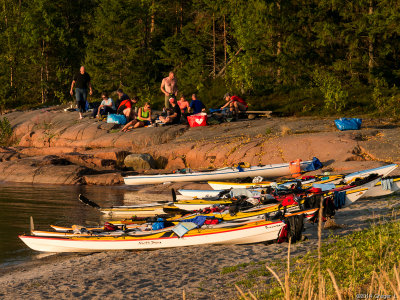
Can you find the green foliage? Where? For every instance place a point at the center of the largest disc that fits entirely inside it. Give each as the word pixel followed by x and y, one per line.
pixel 189 56
pixel 118 54
pixel 6 132
pixel 255 48
pixel 335 97
pixel 385 99
pixel 231 269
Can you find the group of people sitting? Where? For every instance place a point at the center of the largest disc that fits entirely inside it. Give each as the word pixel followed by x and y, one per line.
pixel 175 114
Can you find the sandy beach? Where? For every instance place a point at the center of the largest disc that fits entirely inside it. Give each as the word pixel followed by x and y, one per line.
pixel 165 274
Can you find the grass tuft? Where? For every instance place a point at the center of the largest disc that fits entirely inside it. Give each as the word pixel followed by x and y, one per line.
pixel 364 262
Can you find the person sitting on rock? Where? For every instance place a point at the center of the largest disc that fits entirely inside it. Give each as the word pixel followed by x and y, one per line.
pixel 174 116
pixel 235 104
pixel 121 97
pixel 127 108
pixel 143 118
pixel 196 106
pixel 183 104
pixel 107 106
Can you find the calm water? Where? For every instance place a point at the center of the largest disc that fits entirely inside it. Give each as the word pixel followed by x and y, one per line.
pixel 57 205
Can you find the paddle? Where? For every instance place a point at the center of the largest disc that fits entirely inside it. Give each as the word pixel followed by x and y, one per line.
pixel 32 226
pixel 173 195
pixel 176 211
pixel 88 202
pixel 224 192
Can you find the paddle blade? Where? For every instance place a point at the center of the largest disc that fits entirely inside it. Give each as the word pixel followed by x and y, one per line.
pixel 86 201
pixel 173 195
pixel 32 226
pixel 175 211
pixel 223 193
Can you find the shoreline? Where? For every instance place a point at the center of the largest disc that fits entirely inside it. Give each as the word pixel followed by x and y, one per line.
pixel 165 273
pixel 51 147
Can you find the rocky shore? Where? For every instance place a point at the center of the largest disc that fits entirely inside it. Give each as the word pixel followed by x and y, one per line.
pixel 52 146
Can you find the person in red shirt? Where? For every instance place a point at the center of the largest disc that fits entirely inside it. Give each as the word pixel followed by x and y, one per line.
pixel 127 108
pixel 235 103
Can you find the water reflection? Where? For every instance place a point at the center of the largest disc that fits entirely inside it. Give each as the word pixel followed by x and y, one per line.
pixel 47 205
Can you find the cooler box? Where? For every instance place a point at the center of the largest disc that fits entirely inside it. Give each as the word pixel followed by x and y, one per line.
pixel 197 120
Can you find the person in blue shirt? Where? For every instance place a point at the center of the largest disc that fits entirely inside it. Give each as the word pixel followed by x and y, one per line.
pixel 196 106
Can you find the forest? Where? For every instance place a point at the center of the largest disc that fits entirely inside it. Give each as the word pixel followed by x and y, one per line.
pixel 294 57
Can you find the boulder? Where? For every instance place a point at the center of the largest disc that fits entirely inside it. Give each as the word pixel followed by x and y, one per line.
pixel 139 161
pixel 104 179
pixel 42 170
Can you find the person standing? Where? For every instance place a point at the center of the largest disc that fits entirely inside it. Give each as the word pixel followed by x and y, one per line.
pixel 169 86
pixel 81 82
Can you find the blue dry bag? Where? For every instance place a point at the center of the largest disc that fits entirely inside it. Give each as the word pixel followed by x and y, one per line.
pixel 348 124
pixel 116 119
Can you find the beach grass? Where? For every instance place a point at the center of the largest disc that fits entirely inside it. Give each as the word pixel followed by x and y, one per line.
pixel 361 265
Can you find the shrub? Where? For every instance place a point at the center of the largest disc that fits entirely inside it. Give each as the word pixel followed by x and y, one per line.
pixel 335 97
pixel 6 132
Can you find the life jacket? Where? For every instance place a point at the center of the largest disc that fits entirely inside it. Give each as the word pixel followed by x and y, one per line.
pixel 212 221
pixel 283 234
pixel 288 200
pixel 109 227
pixel 294 227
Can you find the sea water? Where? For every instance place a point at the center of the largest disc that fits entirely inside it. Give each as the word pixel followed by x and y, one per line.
pixel 48 205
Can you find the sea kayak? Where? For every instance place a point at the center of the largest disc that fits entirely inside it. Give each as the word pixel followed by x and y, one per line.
pixel 245 233
pixel 268 171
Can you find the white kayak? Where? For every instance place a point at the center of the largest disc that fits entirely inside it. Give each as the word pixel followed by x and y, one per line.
pixel 190 194
pixel 268 171
pixel 253 232
pixel 217 194
pixel 353 193
pixel 221 185
pixel 382 171
pixel 384 187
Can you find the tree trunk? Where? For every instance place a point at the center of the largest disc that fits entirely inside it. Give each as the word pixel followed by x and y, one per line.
pixel 225 45
pixel 214 61
pixel 42 73
pixel 278 48
pixel 176 18
pixel 181 16
pixel 152 26
pixel 9 56
pixel 370 43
